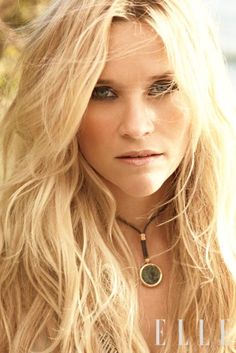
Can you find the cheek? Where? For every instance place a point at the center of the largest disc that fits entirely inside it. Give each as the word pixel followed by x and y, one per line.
pixel 177 120
pixel 176 130
pixel 180 136
pixel 94 131
pixel 179 127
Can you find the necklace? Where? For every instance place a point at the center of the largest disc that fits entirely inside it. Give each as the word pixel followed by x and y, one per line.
pixel 149 273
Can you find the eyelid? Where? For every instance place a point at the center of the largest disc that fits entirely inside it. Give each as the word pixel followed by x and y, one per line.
pixel 161 81
pixel 104 98
pixel 106 87
pixel 117 91
pixel 169 82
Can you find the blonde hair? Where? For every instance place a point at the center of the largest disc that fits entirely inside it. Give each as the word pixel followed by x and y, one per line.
pixel 63 256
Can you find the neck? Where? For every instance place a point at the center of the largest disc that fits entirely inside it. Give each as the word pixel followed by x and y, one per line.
pixel 137 210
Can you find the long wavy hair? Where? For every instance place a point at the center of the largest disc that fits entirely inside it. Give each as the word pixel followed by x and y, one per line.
pixel 64 281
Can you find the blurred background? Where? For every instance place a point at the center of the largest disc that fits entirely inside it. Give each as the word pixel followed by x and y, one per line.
pixel 224 14
pixel 15 13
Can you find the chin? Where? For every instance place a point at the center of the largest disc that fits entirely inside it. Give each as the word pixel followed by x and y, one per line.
pixel 140 190
pixel 135 187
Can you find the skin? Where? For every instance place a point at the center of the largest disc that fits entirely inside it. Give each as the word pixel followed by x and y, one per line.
pixel 133 116
pixel 137 117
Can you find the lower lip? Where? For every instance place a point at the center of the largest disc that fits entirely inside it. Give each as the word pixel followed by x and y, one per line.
pixel 140 160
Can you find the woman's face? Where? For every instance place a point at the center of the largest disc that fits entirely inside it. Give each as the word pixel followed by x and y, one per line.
pixel 127 115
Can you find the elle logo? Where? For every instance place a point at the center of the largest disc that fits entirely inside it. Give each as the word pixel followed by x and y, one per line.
pixel 203 341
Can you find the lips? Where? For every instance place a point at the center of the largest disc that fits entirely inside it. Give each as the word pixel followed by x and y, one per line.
pixel 139 154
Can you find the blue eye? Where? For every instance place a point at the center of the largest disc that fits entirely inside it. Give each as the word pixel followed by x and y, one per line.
pixel 161 87
pixel 102 92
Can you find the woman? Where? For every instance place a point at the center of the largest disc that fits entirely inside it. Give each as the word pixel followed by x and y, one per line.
pixel 118 198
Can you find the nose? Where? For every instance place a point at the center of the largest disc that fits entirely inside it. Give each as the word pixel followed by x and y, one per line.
pixel 138 119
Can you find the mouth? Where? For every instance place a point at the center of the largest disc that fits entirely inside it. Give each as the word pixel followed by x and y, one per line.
pixel 139 154
pixel 140 160
pixel 139 157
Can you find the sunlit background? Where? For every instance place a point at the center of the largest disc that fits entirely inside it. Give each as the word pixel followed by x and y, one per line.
pixel 224 13
pixel 14 13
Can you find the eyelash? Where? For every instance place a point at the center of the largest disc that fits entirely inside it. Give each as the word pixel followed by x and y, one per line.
pixel 169 86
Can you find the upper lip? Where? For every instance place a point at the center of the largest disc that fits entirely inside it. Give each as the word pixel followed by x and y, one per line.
pixel 142 153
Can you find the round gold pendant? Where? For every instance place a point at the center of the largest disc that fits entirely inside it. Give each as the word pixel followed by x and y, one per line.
pixel 150 275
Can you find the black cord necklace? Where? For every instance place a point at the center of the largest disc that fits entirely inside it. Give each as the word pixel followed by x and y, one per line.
pixel 150 274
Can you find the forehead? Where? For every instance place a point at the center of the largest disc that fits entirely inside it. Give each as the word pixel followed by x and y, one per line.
pixel 135 50
pixel 128 35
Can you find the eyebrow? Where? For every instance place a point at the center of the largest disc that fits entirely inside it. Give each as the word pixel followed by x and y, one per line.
pixel 149 79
